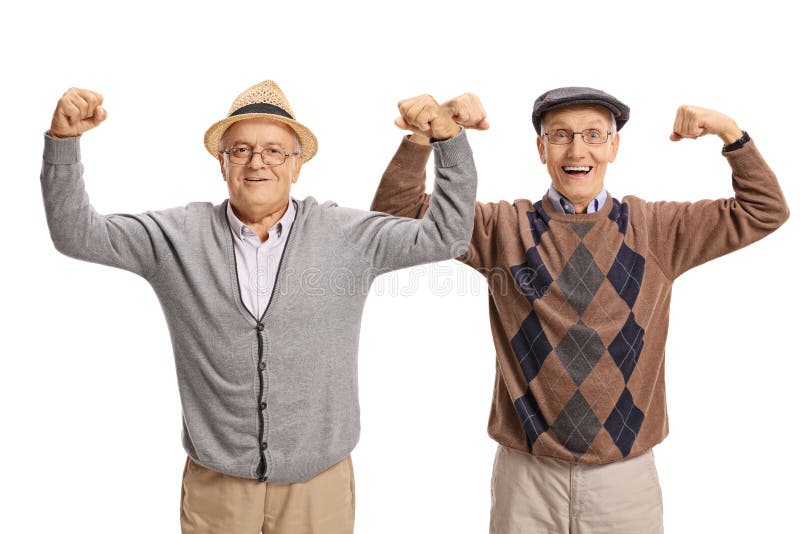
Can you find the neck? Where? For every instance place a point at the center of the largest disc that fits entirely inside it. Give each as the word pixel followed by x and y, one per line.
pixel 260 220
pixel 580 207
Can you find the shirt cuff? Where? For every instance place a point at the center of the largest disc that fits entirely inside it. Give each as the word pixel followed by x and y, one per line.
pixel 451 152
pixel 61 151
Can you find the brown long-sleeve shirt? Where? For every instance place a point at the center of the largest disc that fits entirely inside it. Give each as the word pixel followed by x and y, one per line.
pixel 579 304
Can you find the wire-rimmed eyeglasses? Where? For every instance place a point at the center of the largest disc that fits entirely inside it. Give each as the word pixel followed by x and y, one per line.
pixel 591 136
pixel 242 155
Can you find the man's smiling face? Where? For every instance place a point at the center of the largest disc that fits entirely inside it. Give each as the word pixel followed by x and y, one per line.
pixel 257 187
pixel 578 168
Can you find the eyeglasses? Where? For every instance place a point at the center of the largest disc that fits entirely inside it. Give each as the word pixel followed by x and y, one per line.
pixel 591 136
pixel 242 155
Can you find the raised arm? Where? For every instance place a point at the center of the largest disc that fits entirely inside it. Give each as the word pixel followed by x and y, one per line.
pixel 686 234
pixel 443 232
pixel 401 191
pixel 132 242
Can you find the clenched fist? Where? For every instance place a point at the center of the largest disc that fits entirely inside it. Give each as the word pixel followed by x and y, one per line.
pixel 78 111
pixel 424 116
pixel 692 122
pixel 467 111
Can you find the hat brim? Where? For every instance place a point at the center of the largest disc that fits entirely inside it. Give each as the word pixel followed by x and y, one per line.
pixel 619 112
pixel 213 136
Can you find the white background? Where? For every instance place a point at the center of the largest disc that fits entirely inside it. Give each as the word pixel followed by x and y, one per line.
pixel 90 411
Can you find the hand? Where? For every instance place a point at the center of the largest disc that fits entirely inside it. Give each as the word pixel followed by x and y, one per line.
pixel 78 111
pixel 692 122
pixel 467 111
pixel 424 116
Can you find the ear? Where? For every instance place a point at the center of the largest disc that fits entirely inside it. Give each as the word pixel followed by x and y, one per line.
pixel 298 163
pixel 614 147
pixel 540 147
pixel 221 159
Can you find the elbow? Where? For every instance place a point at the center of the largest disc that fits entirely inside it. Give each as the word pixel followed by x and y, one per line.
pixel 460 244
pixel 784 214
pixel 60 241
pixel 777 217
pixel 459 249
pixel 64 246
pixel 66 243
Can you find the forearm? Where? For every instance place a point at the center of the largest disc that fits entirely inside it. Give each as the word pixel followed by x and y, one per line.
pixel 451 207
pixel 66 203
pixel 401 191
pixel 756 189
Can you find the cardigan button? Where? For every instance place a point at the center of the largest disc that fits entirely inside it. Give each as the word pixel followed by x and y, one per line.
pixel 262 365
pixel 263 405
pixel 263 445
pixel 260 327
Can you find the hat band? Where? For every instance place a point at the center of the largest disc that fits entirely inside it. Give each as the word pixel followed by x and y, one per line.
pixel 262 108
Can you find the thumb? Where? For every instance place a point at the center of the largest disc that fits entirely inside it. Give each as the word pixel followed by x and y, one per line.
pixel 675 137
pixel 401 123
pixel 483 125
pixel 99 116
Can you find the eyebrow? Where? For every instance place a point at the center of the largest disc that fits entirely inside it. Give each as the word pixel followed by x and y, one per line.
pixel 268 145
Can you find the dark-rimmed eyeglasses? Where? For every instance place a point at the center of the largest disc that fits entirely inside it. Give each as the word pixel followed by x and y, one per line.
pixel 591 136
pixel 242 155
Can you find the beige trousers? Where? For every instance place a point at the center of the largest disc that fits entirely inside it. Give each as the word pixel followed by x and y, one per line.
pixel 538 495
pixel 215 503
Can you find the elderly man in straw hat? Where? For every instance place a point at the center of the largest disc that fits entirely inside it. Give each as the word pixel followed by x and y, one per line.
pixel 579 287
pixel 263 296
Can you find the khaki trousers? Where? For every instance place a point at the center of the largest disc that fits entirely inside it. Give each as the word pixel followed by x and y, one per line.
pixel 538 495
pixel 215 503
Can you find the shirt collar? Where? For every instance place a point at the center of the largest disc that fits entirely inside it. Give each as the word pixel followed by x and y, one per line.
pixel 562 205
pixel 242 231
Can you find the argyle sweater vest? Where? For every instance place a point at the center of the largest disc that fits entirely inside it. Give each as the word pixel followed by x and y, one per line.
pixel 579 304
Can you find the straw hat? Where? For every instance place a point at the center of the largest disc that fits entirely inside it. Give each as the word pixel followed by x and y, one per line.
pixel 264 99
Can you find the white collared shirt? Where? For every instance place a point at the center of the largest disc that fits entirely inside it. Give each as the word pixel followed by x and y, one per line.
pixel 562 205
pixel 256 262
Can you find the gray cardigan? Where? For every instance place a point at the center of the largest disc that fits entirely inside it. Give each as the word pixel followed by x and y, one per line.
pixel 273 398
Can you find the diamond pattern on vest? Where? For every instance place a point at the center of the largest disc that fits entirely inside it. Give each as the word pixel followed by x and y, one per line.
pixel 579 351
pixel 531 346
pixel 531 417
pixel 577 425
pixel 580 279
pixel 570 352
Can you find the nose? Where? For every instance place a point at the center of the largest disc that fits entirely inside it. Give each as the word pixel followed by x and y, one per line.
pixel 577 148
pixel 257 161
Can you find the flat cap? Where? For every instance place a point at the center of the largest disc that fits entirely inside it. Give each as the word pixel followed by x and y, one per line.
pixel 570 96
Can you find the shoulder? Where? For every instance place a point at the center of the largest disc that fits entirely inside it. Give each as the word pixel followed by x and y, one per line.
pixel 503 208
pixel 331 216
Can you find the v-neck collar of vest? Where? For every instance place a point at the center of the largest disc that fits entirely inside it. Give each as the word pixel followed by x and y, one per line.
pixel 555 215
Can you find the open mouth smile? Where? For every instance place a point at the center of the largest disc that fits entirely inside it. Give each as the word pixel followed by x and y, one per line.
pixel 577 171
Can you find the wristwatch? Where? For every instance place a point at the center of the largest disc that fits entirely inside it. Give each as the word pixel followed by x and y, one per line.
pixel 739 143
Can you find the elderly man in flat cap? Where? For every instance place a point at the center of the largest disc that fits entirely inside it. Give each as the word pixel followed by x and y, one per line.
pixel 263 296
pixel 579 292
